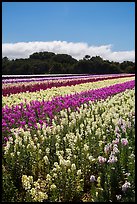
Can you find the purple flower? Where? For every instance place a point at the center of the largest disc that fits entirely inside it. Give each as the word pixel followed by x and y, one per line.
pixel 6 139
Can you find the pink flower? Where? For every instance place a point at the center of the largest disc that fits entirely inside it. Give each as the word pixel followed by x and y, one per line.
pixel 112 159
pixel 101 159
pixel 116 141
pixel 123 127
pixel 117 129
pixel 129 124
pixel 115 149
pixel 120 121
pixel 107 148
pixel 124 141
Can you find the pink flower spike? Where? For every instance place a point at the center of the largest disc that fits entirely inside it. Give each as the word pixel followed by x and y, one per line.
pixel 124 141
pixel 101 159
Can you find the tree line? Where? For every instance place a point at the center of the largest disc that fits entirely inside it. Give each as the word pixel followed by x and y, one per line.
pixel 51 63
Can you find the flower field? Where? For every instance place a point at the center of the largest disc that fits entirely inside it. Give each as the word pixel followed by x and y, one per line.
pixel 69 139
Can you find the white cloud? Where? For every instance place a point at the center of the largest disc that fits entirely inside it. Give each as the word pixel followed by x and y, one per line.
pixel 76 50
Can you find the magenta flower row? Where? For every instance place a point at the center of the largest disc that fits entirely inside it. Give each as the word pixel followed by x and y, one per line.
pixel 43 86
pixel 40 111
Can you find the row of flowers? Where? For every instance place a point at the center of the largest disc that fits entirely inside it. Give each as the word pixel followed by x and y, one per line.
pixel 32 87
pixel 86 155
pixel 46 82
pixel 28 76
pixel 48 94
pixel 33 79
pixel 44 111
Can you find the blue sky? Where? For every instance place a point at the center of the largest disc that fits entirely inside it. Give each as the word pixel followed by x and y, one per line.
pixel 94 23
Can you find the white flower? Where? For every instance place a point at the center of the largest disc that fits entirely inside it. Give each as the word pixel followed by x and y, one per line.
pixel 86 147
pixel 40 196
pixel 47 150
pixel 18 153
pixel 12 154
pixel 26 182
pixel 36 139
pixel 61 161
pixel 69 171
pixel 48 177
pixel 55 175
pixel 33 192
pixel 68 163
pixel 91 158
pixel 30 179
pixel 125 186
pixel 79 172
pixel 73 167
pixel 53 186
pixel 36 184
pixel 34 147
pixel 92 178
pixel 46 160
pixel 68 151
pixel 57 145
pixel 55 164
pixel 118 197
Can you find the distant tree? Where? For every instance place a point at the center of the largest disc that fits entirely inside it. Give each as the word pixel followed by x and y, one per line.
pixel 49 62
pixel 97 63
pixel 64 58
pixel 87 57
pixel 42 55
pixel 82 67
pixel 56 68
pixel 97 59
pixel 41 68
pixel 113 69
pixel 125 64
pixel 5 59
pixel 130 69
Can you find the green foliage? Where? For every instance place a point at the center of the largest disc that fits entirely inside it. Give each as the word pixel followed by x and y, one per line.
pixel 9 191
pixel 49 62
